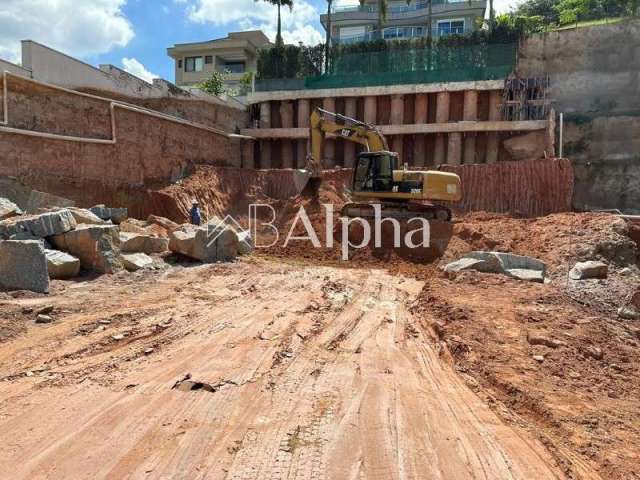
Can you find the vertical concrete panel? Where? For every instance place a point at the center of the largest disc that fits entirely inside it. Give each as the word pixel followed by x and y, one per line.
pixel 286 116
pixel 397 145
pixel 397 109
pixel 370 110
pixel 454 148
pixel 304 112
pixel 443 104
pixel 265 145
pixel 329 161
pixel 493 140
pixel 265 115
pixel 350 110
pixel 397 118
pixel 439 149
pixel 420 116
pixel 470 114
pixel 442 116
pixel 421 108
pixel 247 154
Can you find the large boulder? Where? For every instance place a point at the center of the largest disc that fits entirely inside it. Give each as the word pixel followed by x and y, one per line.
pixel 205 244
pixel 514 266
pixel 116 215
pixel 97 247
pixel 82 215
pixel 27 199
pixel 509 261
pixel 62 265
pixel 589 269
pixel 23 266
pixel 8 209
pixel 38 226
pixel 135 242
pixel 226 242
pixel 165 223
pixel 136 261
pixel 479 261
pixel 245 243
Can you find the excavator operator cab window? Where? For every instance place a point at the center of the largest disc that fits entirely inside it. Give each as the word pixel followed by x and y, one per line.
pixel 374 172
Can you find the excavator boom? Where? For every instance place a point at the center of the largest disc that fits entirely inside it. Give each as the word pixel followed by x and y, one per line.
pixel 323 122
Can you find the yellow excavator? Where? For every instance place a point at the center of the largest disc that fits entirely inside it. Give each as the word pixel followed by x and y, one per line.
pixel 377 178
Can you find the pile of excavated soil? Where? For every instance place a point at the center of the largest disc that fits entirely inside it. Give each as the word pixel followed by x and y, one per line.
pixel 557 239
pixel 577 391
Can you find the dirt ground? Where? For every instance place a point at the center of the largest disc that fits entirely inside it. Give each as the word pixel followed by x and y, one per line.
pixel 293 364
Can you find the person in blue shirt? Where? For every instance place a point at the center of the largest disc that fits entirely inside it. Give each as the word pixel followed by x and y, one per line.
pixel 194 213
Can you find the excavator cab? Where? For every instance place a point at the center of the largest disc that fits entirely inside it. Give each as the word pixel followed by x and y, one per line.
pixel 374 172
pixel 378 172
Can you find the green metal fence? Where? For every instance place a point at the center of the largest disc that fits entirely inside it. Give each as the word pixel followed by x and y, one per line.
pixel 397 66
pixel 274 84
pixel 419 65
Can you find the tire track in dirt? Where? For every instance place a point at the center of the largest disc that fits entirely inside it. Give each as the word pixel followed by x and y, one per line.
pixel 378 404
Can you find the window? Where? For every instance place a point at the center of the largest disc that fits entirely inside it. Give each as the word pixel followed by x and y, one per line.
pixel 450 27
pixel 193 64
pixel 180 63
pixel 234 67
pixel 208 59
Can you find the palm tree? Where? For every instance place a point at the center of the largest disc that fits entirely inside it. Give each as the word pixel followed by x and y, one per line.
pixel 492 15
pixel 327 43
pixel 429 14
pixel 279 3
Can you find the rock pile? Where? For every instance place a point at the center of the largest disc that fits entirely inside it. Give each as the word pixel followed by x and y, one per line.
pixel 58 243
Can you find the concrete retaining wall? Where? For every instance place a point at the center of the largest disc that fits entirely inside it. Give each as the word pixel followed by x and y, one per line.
pixel 406 108
pixel 595 81
pixel 148 149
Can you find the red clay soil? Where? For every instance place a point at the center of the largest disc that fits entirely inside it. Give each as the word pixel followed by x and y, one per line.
pixel 581 399
pixel 551 360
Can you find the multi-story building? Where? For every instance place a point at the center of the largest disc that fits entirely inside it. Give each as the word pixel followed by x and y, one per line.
pixel 404 20
pixel 233 55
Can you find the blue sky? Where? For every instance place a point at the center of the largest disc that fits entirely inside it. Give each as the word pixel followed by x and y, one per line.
pixel 134 34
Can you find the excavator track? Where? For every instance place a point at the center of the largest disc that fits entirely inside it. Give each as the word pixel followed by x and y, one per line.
pixel 398 210
pixel 439 233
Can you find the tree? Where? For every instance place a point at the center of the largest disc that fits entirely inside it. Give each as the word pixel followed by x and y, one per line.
pixel 429 22
pixel 538 8
pixel 327 43
pixel 279 3
pixel 492 16
pixel 214 85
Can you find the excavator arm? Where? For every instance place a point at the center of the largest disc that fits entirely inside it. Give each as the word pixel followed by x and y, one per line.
pixel 323 122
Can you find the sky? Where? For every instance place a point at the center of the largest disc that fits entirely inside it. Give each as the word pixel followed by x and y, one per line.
pixel 134 34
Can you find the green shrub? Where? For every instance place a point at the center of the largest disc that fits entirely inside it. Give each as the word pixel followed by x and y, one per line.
pixel 214 85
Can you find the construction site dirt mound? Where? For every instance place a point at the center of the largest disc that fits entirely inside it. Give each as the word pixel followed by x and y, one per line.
pixel 557 239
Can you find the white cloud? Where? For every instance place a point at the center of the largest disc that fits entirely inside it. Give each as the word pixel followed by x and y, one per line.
pixel 78 28
pixel 504 6
pixel 134 67
pixel 248 14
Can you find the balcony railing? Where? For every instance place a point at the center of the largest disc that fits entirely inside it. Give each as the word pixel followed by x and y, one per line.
pixel 403 33
pixel 392 10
